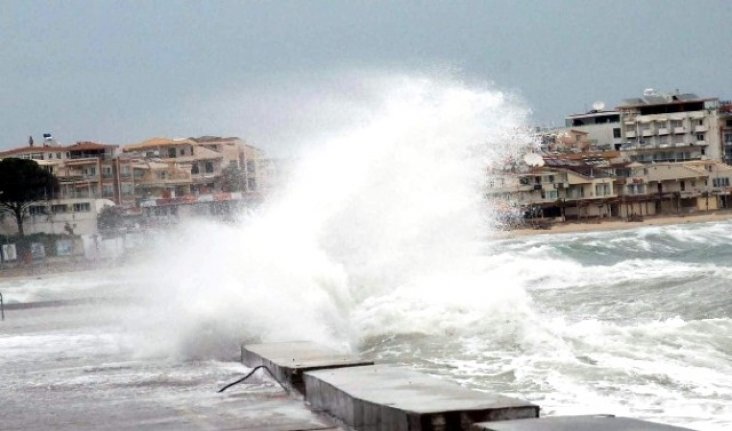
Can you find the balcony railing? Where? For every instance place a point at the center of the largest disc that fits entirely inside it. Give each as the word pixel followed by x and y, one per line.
pixel 663 131
pixel 700 129
pixel 679 130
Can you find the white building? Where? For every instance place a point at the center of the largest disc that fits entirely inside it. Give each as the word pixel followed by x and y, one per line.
pixel 602 128
pixel 670 128
pixel 57 216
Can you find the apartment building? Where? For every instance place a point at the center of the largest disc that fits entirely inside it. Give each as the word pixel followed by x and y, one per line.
pixel 602 128
pixel 565 187
pixel 670 128
pixel 88 175
pixel 725 129
pixel 207 175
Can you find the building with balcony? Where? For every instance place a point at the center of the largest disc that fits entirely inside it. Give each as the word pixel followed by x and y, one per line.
pixel 725 129
pixel 661 128
pixel 194 176
pixel 600 185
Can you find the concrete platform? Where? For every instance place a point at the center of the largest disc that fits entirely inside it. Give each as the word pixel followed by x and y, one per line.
pixel 288 361
pixel 384 397
pixel 576 423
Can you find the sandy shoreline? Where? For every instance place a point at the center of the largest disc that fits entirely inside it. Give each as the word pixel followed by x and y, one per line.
pixel 616 224
pixel 44 270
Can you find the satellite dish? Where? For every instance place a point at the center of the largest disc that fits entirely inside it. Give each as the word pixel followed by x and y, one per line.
pixel 534 160
pixel 598 106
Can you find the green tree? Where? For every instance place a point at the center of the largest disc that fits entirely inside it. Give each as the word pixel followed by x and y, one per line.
pixel 233 179
pixel 22 182
pixel 110 220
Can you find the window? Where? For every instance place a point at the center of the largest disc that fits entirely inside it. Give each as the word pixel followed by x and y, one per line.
pixel 194 168
pixel 720 182
pixel 616 132
pixel 107 190
pixel 550 194
pixel 682 185
pixel 58 209
pixel 182 152
pixel 602 189
pixel 577 192
pixel 58 155
pixel 209 167
pixel 37 210
pixel 636 189
pixel 251 184
pixel 127 189
pixel 82 207
pixel 171 152
pixel 700 136
pixel 90 171
pixel 728 138
pixel 126 170
pixel 251 167
pixel 106 171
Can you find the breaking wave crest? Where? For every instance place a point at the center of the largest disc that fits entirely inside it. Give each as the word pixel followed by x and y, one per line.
pixel 379 230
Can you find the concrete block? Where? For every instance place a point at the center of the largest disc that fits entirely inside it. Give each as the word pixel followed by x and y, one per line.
pixel 576 423
pixel 288 361
pixel 383 397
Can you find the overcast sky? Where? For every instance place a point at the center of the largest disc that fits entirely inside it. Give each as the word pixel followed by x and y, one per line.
pixel 122 71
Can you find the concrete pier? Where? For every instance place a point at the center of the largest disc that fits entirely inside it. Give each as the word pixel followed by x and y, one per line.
pixel 383 397
pixel 576 423
pixel 288 361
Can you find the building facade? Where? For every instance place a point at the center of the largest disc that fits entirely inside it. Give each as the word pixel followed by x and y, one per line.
pixel 671 128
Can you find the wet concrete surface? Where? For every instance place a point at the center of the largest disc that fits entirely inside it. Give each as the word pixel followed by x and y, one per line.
pixel 386 397
pixel 65 367
pixel 576 423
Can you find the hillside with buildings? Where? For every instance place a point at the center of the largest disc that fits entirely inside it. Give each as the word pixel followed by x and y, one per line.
pixel 154 183
pixel 658 154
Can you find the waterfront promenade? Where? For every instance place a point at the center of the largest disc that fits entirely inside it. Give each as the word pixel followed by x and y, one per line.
pixel 614 224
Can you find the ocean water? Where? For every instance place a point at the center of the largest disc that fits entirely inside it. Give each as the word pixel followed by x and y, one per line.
pixel 381 243
pixel 634 323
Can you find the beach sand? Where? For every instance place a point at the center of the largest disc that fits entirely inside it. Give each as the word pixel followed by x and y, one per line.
pixel 617 224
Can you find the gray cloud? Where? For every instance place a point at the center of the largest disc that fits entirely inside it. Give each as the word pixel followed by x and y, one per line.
pixel 119 72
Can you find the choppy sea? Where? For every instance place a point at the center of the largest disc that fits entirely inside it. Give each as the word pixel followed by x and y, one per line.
pixel 635 322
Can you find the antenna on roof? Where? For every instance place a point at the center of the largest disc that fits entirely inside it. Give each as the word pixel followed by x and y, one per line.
pixel 30 141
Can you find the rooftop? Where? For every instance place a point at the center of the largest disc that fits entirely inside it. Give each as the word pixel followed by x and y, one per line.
pixel 652 98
